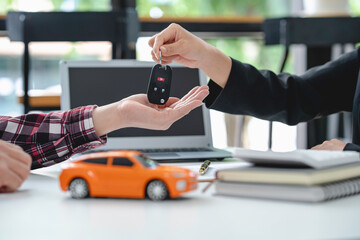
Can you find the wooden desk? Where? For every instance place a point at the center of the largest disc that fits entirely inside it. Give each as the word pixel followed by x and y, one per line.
pixel 42 102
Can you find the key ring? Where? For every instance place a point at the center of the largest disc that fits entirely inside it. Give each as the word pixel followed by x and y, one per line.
pixel 161 62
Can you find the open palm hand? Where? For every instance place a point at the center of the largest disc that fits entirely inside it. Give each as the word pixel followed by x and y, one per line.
pixel 137 111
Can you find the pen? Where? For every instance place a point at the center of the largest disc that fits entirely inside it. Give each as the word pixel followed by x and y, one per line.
pixel 204 167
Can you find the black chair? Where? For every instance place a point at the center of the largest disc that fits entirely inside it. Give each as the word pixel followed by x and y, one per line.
pixel 318 35
pixel 121 28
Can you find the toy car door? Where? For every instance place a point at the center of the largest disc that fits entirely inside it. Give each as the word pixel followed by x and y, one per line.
pixel 124 178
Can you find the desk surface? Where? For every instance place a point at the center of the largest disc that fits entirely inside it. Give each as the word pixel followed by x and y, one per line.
pixel 40 210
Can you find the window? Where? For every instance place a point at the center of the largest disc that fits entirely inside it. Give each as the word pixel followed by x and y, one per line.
pixel 102 161
pixel 44 56
pixel 122 162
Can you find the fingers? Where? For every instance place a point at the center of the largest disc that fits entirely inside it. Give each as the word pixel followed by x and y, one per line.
pixel 192 102
pixel 171 101
pixel 169 115
pixel 15 152
pixel 152 40
pixel 140 98
pixel 167 35
pixel 9 181
pixel 334 145
pixel 317 147
pixel 198 93
pixel 184 98
pixel 137 112
pixel 192 91
pixel 178 45
pixel 166 61
pixel 173 49
pixel 186 109
pixel 14 166
pixel 170 59
pixel 21 169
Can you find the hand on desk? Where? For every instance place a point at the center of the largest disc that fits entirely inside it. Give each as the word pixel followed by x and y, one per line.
pixel 136 111
pixel 14 166
pixel 333 144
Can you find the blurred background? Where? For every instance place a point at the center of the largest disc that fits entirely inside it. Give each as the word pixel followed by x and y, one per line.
pixel 45 56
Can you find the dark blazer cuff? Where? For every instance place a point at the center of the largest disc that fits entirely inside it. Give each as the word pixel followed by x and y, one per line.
pixel 214 92
pixel 352 147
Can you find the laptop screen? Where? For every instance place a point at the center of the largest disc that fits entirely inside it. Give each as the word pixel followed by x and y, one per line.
pixel 104 85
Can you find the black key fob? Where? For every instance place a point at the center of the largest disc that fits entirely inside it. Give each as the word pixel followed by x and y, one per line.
pixel 159 84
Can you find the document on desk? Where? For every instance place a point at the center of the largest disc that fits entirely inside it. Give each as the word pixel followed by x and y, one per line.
pixel 317 159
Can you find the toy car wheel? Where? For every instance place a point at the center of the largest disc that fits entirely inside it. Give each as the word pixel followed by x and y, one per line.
pixel 157 190
pixel 79 188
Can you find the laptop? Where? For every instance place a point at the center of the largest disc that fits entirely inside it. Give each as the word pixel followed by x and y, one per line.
pixel 104 82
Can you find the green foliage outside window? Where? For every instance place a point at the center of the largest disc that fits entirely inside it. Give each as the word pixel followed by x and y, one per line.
pixel 197 8
pixel 248 50
pixel 60 5
pixel 5 6
pixel 354 7
pixel 85 5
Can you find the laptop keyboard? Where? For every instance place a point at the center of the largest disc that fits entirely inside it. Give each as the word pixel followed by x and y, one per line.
pixel 159 150
pixel 175 150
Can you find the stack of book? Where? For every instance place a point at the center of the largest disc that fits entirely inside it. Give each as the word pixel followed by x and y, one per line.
pixel 292 176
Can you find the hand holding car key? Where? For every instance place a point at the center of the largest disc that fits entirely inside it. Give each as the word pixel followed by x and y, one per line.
pixel 159 84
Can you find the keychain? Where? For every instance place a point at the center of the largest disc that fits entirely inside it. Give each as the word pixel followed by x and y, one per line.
pixel 158 91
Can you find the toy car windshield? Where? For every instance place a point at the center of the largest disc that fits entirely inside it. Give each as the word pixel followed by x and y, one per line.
pixel 146 161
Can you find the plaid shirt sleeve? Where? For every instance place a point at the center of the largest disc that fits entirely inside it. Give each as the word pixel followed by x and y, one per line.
pixel 53 137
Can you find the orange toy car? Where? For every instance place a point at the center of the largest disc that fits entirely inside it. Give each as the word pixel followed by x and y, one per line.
pixel 127 174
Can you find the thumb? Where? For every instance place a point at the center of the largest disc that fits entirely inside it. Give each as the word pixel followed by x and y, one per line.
pixel 171 49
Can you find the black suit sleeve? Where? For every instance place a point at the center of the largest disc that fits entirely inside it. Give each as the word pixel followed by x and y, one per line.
pixel 352 147
pixel 284 97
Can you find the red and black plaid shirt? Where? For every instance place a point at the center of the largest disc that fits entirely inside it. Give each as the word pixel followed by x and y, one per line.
pixel 52 137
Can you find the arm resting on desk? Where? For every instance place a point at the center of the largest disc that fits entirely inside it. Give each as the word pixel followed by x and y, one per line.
pixel 52 137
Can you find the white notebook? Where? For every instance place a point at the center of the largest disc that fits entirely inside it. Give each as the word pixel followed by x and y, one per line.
pixel 317 159
pixel 317 193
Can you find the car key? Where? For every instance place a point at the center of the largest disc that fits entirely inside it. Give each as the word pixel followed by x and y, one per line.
pixel 158 91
